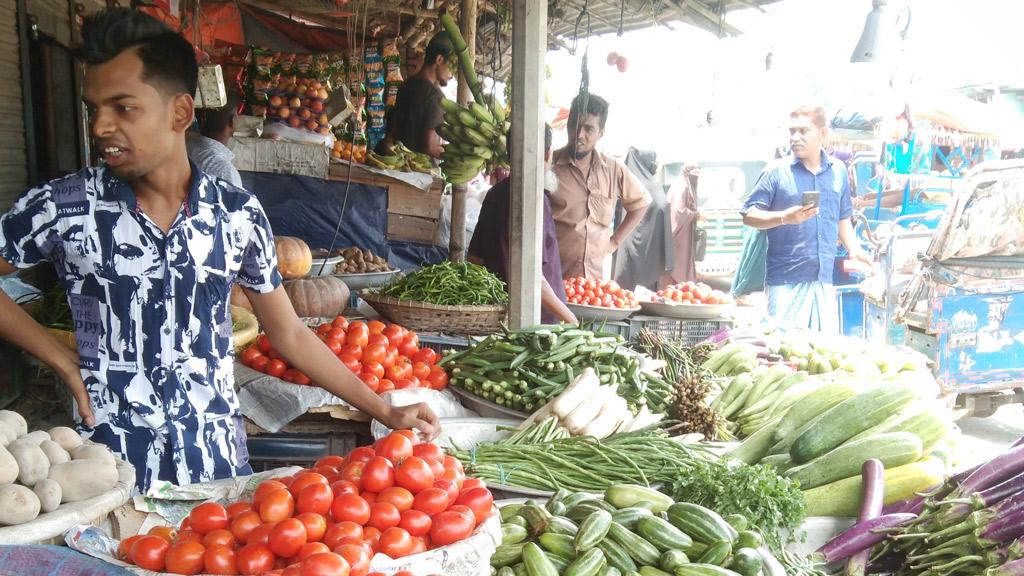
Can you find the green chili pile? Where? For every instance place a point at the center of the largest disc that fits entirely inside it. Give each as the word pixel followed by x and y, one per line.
pixel 449 284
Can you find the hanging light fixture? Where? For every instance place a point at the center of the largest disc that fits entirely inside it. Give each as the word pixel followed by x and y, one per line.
pixel 872 42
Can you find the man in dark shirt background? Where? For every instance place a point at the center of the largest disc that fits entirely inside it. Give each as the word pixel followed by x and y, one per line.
pixel 489 246
pixel 417 113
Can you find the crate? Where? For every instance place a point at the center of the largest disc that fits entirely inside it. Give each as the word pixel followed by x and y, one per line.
pixel 443 344
pixel 688 332
pixel 276 450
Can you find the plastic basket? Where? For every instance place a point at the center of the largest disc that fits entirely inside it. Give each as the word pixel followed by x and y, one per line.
pixel 423 316
pixel 442 344
pixel 688 332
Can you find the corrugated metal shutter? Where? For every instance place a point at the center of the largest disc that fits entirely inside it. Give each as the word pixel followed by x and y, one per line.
pixel 13 163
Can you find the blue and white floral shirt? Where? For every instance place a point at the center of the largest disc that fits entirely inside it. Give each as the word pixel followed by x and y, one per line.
pixel 151 311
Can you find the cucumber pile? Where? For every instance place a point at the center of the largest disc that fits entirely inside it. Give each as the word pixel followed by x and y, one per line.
pixel 631 531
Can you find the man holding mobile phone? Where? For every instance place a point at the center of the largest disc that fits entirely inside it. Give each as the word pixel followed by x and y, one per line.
pixel 803 201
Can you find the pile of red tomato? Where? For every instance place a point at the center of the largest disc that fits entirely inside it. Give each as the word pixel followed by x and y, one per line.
pixel 695 293
pixel 384 356
pixel 603 293
pixel 398 497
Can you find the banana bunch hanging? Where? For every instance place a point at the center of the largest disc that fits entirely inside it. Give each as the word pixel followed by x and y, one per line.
pixel 476 140
pixel 401 159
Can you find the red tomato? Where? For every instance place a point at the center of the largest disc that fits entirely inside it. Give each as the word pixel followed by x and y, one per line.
pixel 237 508
pixel 310 548
pixel 277 506
pixel 379 339
pixel 260 363
pixel 426 355
pixel 471 483
pixel 379 474
pixel 219 560
pixel 428 451
pixel 340 487
pixel 414 522
pixel 185 558
pixel 462 509
pixel 400 497
pixel 352 363
pixel 376 326
pixel 371 536
pixel 304 479
pixel 450 526
pixel 338 532
pixel 300 378
pixel 391 358
pixel 437 468
pixel 276 368
pixel 323 329
pixel 395 335
pixel 370 497
pixel 254 559
pixel 400 370
pixel 358 334
pixel 361 454
pixel 333 460
pixel 149 552
pixel 421 370
pixel 316 525
pixel 340 322
pixel 168 533
pixel 219 537
pixel 438 378
pixel 395 542
pixel 250 354
pixel 266 487
pixel 357 557
pixel 385 386
pixel 479 500
pixel 371 380
pixel 353 472
pixel 125 547
pixel 405 383
pixel 192 535
pixel 383 515
pixel 328 472
pixel 350 507
pixel 374 354
pixel 411 435
pixel 338 335
pixel 260 534
pixel 418 545
pixel 335 346
pixel 208 516
pixel 451 462
pixel 414 474
pixel 395 447
pixel 410 347
pixel 431 501
pixel 263 343
pixel 316 498
pixel 287 538
pixel 243 525
pixel 324 564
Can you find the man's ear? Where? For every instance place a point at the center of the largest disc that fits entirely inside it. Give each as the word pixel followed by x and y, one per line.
pixel 184 112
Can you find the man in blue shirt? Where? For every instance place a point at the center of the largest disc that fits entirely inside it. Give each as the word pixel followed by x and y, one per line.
pixel 148 248
pixel 802 231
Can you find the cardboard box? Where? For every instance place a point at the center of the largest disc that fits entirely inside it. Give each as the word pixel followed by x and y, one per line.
pixel 280 157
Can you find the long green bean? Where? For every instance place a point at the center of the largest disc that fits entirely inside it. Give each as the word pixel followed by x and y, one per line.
pixel 450 284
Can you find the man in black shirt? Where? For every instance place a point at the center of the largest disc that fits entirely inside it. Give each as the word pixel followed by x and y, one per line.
pixel 417 111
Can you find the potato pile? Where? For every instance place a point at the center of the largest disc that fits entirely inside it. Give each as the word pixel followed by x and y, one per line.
pixel 360 262
pixel 41 470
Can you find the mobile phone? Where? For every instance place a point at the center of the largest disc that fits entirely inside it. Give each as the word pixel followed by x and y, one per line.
pixel 810 199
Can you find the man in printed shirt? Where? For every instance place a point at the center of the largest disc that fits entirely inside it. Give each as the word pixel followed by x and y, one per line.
pixel 590 184
pixel 148 248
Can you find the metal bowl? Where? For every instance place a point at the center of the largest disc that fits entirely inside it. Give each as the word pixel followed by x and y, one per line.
pixel 356 282
pixel 321 269
pixel 585 312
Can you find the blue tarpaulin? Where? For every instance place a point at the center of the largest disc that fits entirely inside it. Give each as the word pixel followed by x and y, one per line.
pixel 53 561
pixel 309 208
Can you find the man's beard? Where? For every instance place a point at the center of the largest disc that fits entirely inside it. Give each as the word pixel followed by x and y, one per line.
pixel 580 154
pixel 550 180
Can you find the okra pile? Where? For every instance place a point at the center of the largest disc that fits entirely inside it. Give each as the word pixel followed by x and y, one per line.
pixel 523 370
pixel 631 530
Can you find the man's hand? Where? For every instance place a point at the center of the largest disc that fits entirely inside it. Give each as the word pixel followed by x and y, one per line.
pixel 418 416
pixel 74 382
pixel 613 245
pixel 797 214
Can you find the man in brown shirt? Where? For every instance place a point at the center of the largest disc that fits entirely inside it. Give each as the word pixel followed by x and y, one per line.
pixel 589 186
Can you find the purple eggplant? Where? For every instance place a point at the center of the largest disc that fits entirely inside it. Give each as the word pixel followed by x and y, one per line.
pixel 914 505
pixel 718 337
pixel 861 536
pixel 962 507
pixel 1011 568
pixel 995 471
pixel 872 474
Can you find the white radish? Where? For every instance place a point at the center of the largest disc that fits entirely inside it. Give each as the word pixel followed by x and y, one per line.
pixel 576 393
pixel 589 409
pixel 615 409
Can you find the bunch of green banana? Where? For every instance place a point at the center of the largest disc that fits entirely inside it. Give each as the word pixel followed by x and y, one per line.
pixel 476 139
pixel 401 159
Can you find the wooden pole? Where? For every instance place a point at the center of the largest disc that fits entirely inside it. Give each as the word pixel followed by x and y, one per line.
pixel 529 44
pixel 457 239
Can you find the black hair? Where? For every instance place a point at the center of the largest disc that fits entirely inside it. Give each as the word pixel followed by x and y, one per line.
pixel 168 60
pixel 213 121
pixel 547 140
pixel 439 45
pixel 595 105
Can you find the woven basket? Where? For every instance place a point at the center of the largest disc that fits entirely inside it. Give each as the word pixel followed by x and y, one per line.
pixel 426 317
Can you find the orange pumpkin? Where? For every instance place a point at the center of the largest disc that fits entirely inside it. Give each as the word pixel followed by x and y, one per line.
pixel 293 256
pixel 326 296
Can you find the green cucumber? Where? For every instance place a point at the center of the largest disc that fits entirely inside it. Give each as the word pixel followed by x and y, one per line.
pixel 755 446
pixel 509 511
pixel 520 569
pixel 645 553
pixel 716 553
pixel 593 530
pixel 610 570
pixel 813 405
pixel 537 563
pixel 555 508
pixel 627 495
pixel 513 534
pixel 781 462
pixel 663 534
pixel 507 555
pixel 561 525
pixel 560 544
pixel 652 571
pixel 517 521
pixel 749 539
pixel 583 510
pixel 536 518
pixel 672 558
pixel 628 517
pixel 559 562
pixel 893 449
pixel 617 556
pixel 737 521
pixel 557 498
pixel 576 498
pixel 746 561
pixel 505 571
pixel 701 524
pixel 589 563
pixel 703 570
